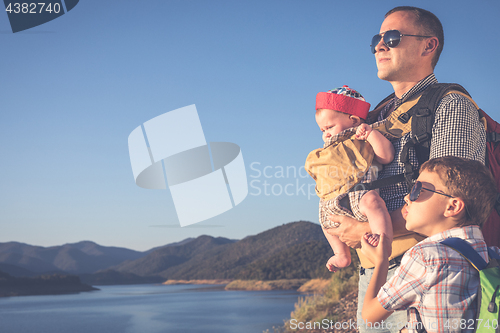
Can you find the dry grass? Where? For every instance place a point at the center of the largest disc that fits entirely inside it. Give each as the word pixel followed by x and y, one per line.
pixel 170 282
pixel 336 302
pixel 314 286
pixel 292 284
pixel 320 306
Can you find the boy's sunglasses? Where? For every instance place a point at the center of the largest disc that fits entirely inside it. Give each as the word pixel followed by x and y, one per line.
pixel 415 191
pixel 391 39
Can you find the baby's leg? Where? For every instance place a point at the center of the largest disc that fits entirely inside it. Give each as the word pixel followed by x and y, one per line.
pixel 373 207
pixel 341 254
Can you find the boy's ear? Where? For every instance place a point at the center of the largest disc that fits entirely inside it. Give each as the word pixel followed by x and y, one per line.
pixel 355 119
pixel 454 207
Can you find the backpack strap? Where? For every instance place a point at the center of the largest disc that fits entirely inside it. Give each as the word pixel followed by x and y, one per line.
pixel 492 254
pixel 467 251
pixel 422 116
pixel 419 327
pixel 373 115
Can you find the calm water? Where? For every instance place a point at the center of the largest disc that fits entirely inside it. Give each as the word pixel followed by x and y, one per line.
pixel 148 309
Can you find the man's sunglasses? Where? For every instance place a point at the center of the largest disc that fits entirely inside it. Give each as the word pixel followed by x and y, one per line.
pixel 391 39
pixel 415 191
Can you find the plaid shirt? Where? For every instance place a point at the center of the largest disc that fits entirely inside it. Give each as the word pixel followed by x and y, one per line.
pixel 437 281
pixel 456 131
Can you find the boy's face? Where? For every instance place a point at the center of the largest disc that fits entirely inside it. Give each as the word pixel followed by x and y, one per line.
pixel 426 215
pixel 332 122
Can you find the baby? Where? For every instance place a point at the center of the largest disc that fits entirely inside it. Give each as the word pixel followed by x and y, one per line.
pixel 349 158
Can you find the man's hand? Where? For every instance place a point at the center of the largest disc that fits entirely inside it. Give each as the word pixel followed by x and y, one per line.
pixel 349 230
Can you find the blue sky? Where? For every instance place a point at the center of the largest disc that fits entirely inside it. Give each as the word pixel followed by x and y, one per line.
pixel 74 88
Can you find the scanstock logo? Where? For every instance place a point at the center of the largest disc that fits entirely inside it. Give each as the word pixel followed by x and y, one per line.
pixel 26 15
pixel 205 179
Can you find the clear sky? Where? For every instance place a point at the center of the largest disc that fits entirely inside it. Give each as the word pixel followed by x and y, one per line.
pixel 73 89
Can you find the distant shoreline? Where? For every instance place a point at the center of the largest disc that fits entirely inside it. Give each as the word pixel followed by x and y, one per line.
pixel 301 285
pixel 42 285
pixel 216 281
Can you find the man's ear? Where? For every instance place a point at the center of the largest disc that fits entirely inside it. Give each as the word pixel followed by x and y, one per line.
pixel 455 207
pixel 431 46
pixel 355 120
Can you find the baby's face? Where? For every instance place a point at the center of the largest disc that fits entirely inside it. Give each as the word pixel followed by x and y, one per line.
pixel 332 122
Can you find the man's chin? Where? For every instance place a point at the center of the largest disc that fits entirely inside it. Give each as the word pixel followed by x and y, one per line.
pixel 384 75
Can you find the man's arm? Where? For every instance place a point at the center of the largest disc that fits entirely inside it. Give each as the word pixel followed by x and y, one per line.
pixel 351 230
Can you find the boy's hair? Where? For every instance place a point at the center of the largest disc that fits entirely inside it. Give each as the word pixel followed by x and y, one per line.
pixel 429 25
pixel 468 180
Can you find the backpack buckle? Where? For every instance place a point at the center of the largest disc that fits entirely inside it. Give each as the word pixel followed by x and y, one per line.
pixel 421 137
pixel 423 112
pixel 492 137
pixel 408 174
pixel 404 117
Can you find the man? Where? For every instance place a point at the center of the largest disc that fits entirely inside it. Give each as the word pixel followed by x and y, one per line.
pixel 409 67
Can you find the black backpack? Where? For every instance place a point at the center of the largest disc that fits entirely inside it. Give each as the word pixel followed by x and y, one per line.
pixel 422 117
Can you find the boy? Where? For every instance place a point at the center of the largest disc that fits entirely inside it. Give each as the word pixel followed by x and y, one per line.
pixel 452 197
pixel 340 114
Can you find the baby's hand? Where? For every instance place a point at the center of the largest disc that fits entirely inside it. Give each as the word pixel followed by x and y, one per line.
pixel 372 239
pixel 376 248
pixel 363 131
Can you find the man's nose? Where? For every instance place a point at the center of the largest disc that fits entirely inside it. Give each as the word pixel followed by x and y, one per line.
pixel 381 46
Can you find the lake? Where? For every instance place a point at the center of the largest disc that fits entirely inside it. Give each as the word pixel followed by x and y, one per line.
pixel 148 309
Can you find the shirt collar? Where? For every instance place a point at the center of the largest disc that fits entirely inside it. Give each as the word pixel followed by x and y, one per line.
pixel 415 90
pixel 467 232
pixel 342 136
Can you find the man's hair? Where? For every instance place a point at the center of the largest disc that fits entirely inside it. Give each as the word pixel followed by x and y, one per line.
pixel 468 180
pixel 428 24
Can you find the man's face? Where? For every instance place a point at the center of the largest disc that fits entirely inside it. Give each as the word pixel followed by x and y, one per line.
pixel 401 63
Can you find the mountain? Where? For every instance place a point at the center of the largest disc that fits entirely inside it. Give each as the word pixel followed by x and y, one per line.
pixel 187 240
pixel 42 285
pixel 77 258
pixel 304 261
pixel 171 256
pixel 220 258
pixel 295 250
pixel 16 271
pixel 27 262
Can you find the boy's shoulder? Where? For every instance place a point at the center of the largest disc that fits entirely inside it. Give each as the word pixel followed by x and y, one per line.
pixel 432 253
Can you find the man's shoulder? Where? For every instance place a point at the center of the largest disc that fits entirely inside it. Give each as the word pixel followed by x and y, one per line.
pixel 455 95
pixel 457 99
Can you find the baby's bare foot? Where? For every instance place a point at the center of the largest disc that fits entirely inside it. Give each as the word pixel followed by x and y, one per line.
pixel 337 262
pixel 373 239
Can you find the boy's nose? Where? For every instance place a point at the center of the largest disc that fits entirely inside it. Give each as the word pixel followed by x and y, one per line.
pixel 407 199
